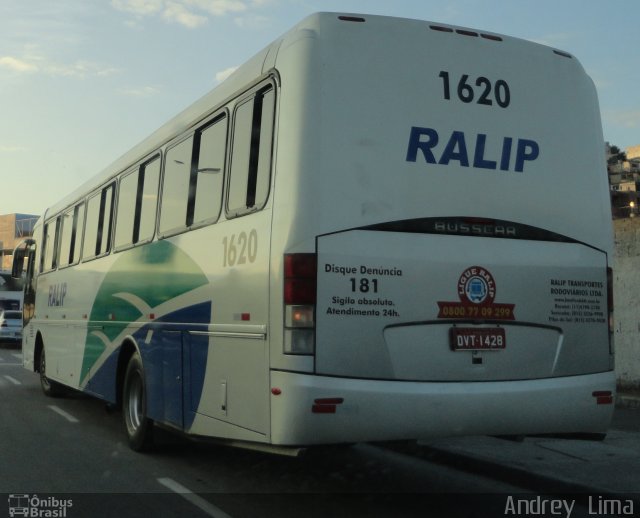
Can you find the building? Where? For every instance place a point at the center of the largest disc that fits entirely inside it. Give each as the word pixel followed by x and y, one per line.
pixel 624 181
pixel 13 228
pixel 633 154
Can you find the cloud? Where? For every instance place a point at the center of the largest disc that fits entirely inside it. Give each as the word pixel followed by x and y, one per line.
pixel 17 65
pixel 252 21
pixel 38 64
pixel 139 7
pixel 176 12
pixel 218 7
pixel 144 91
pixel 188 13
pixel 80 69
pixel 222 75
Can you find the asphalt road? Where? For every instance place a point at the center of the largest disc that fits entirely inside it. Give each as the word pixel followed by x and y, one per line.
pixel 73 450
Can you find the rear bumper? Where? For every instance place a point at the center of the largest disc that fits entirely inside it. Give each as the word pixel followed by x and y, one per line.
pixel 394 410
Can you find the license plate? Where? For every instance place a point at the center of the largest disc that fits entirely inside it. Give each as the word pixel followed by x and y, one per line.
pixel 473 339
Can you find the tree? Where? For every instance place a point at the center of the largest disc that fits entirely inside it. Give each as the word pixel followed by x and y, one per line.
pixel 617 155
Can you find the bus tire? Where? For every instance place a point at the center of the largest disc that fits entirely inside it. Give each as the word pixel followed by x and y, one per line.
pixel 50 388
pixel 138 426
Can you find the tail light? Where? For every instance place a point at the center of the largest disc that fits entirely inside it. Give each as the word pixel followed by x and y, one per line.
pixel 299 303
pixel 610 307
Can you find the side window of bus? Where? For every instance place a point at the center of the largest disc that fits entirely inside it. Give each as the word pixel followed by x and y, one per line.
pixel 46 239
pixel 175 187
pixel 50 244
pixel 97 234
pixel 193 178
pixel 71 236
pixel 251 153
pixel 137 202
pixel 76 238
pixel 65 239
pixel 207 173
pixel 126 203
pixel 147 204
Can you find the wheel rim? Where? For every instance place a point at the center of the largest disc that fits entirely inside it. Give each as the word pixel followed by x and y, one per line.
pixel 134 411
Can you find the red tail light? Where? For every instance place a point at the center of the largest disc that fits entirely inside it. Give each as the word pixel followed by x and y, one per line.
pixel 300 289
pixel 300 278
pixel 300 265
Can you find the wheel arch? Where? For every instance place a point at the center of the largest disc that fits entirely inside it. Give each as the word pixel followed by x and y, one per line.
pixel 37 352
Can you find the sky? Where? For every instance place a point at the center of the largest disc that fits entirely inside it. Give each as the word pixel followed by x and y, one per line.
pixel 83 81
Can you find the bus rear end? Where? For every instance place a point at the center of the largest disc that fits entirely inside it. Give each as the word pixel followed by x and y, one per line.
pixel 446 270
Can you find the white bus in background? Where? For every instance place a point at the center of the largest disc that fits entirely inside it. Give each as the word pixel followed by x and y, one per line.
pixel 11 291
pixel 376 229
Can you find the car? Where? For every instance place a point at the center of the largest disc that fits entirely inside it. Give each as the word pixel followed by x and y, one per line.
pixel 10 326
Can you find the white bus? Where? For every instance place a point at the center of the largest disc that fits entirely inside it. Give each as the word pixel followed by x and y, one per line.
pixel 375 229
pixel 11 290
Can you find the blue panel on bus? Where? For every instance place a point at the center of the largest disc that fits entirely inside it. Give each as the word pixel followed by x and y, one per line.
pixel 103 383
pixel 174 363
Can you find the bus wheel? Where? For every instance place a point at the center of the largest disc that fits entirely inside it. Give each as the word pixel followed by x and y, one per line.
pixel 50 388
pixel 138 426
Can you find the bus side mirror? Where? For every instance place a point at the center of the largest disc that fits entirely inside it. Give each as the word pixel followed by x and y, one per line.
pixel 17 268
pixel 20 253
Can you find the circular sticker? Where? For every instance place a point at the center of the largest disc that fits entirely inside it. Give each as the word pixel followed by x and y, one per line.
pixel 476 285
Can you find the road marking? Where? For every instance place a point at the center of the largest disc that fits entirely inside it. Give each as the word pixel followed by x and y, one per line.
pixel 12 380
pixel 64 414
pixel 196 500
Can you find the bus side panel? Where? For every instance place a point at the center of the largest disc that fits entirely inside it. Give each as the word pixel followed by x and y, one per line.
pixel 60 321
pixel 235 255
